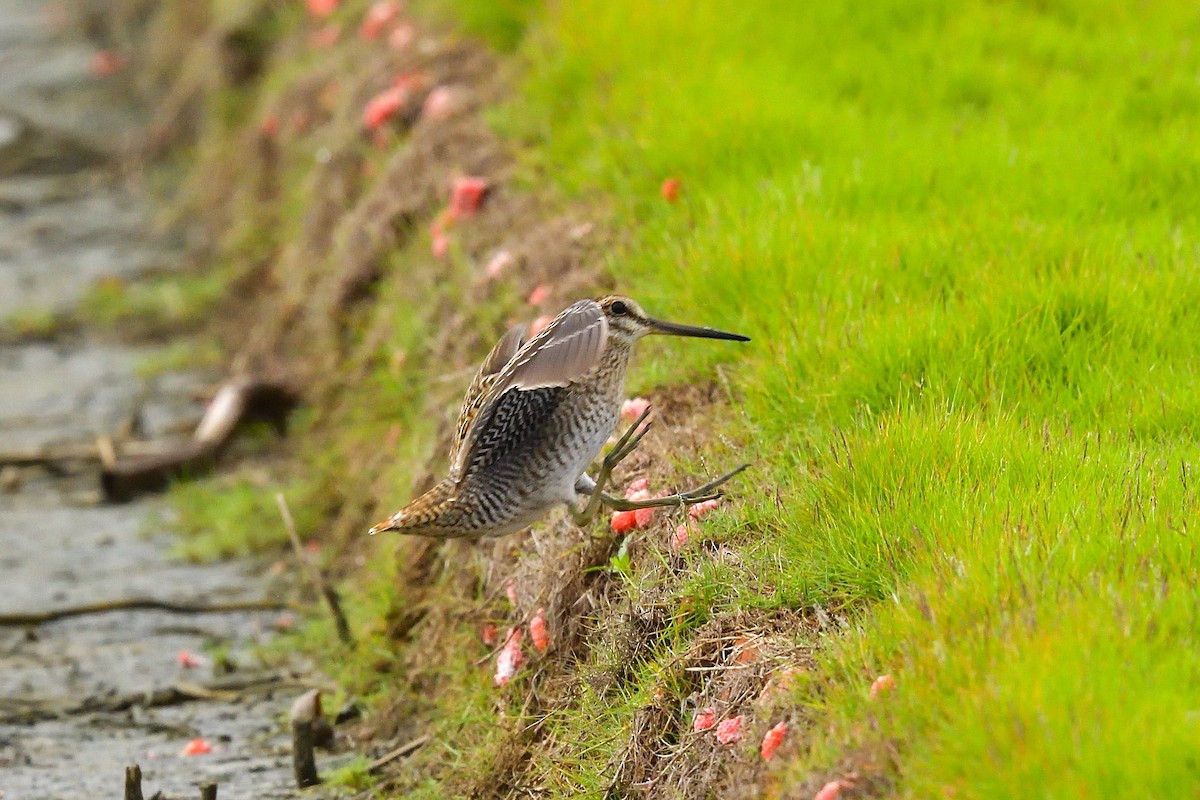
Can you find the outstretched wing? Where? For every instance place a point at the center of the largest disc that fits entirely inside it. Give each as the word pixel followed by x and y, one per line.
pixel 530 385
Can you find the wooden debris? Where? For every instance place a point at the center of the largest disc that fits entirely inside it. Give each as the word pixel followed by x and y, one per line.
pixel 237 401
pixel 136 604
pixel 133 783
pixel 305 713
pixel 208 791
pixel 400 752
pixel 323 589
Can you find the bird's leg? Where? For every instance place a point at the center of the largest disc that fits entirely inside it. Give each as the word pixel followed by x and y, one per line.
pixel 624 446
pixel 698 495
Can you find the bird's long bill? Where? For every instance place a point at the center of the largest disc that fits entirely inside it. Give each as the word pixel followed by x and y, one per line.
pixel 678 329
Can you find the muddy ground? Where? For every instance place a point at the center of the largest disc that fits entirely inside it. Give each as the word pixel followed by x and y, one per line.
pixel 70 717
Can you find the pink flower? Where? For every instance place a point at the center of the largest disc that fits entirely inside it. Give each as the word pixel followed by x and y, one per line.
pixel 488 634
pixel 326 36
pixel 538 325
pixel 510 658
pixel 700 509
pixel 322 8
pixel 830 791
pixel 623 521
pixel 537 631
pixel 633 408
pixel 379 16
pixel 670 189
pixel 705 718
pixel 440 103
pixel 639 485
pixel 440 245
pixel 679 538
pixel 189 660
pixel 783 681
pixel 730 730
pixel 383 107
pixel 106 63
pixel 402 36
pixel 510 589
pixel 196 747
pixel 498 263
pixel 772 740
pixel 882 685
pixel 269 127
pixel 466 195
pixel 538 295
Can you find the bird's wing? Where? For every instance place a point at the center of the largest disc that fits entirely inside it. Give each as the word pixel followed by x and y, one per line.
pixel 484 379
pixel 530 385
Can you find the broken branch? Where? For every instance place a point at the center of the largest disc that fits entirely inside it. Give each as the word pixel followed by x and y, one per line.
pixel 136 604
pixel 314 574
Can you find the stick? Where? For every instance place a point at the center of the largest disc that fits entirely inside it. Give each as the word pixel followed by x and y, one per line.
pixel 314 574
pixel 137 604
pixel 399 752
pixel 208 791
pixel 305 712
pixel 133 783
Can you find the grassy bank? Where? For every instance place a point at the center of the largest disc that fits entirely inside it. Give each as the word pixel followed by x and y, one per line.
pixel 963 238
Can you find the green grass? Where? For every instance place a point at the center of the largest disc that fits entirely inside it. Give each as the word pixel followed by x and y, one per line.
pixel 963 237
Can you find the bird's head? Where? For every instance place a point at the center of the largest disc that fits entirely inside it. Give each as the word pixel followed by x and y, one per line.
pixel 628 322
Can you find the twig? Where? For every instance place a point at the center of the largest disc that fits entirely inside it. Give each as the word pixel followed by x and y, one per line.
pixel 137 604
pixel 305 712
pixel 314 574
pixel 399 752
pixel 133 783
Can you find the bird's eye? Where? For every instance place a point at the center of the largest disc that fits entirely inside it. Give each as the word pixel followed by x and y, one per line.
pixel 619 307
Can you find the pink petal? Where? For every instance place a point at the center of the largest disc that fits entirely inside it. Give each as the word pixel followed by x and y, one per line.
pixel 772 740
pixel 410 81
pixel 106 63
pixel 402 36
pixel 196 747
pixel 488 634
pixel 440 104
pixel 440 245
pixel 539 325
pixel 326 36
pixel 730 730
pixel 510 589
pixel 679 538
pixel 284 622
pixel 642 517
pixel 700 509
pixel 466 195
pixel 269 127
pixel 829 791
pixel 538 295
pixel 322 8
pixel 537 631
pixel 379 16
pixel 510 658
pixel 189 660
pixel 782 682
pixel 498 263
pixel 882 685
pixel 640 485
pixel 623 521
pixel 705 718
pixel 670 189
pixel 382 107
pixel 633 408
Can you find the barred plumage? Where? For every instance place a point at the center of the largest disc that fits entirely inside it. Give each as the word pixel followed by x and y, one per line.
pixel 536 415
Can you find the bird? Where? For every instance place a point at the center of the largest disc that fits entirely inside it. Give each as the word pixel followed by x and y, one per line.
pixel 536 416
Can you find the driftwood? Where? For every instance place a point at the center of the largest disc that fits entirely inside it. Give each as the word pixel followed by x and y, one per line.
pixel 136 604
pixel 133 783
pixel 314 574
pixel 400 752
pixel 306 711
pixel 237 401
pixel 208 791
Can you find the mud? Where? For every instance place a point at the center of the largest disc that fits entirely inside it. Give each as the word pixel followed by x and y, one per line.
pixel 68 218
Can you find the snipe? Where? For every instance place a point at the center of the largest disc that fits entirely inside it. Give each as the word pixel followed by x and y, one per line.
pixel 534 419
